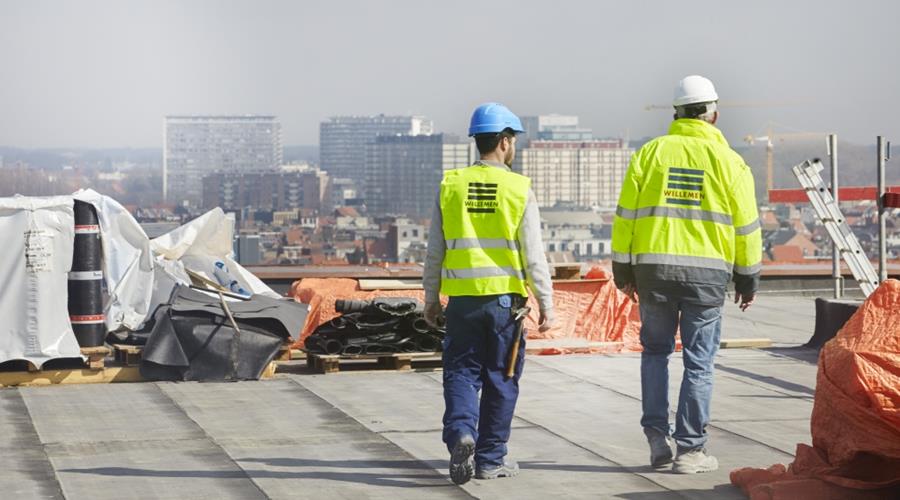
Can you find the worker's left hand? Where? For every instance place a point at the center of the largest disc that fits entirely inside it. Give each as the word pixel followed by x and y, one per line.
pixel 630 290
pixel 434 314
pixel 746 300
pixel 546 321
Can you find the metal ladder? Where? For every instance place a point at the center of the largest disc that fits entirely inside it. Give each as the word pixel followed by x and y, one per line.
pixel 830 215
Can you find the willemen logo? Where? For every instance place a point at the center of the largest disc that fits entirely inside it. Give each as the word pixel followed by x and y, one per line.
pixel 482 198
pixel 685 186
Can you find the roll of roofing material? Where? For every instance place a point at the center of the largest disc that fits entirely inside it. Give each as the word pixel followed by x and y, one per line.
pixel 86 279
pixel 332 346
pixel 352 349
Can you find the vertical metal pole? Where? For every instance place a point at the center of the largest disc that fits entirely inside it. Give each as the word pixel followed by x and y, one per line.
pixel 882 227
pixel 835 251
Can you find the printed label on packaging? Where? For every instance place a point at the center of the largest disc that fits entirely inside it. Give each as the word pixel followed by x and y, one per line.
pixel 38 251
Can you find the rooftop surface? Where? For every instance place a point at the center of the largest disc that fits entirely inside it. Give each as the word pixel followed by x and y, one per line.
pixel 377 434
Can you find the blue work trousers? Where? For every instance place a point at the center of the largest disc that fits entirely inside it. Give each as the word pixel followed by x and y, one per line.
pixel 480 334
pixel 700 331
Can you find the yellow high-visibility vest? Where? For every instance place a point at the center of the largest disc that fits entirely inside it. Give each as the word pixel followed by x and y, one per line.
pixel 481 209
pixel 687 211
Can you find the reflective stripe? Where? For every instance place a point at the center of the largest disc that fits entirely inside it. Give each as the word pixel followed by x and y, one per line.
pixel 684 213
pixel 688 171
pixel 623 258
pixel 745 230
pixel 482 272
pixel 682 260
pixel 755 268
pixel 462 243
pixel 625 213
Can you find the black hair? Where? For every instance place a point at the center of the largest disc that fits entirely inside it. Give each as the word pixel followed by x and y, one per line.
pixel 487 143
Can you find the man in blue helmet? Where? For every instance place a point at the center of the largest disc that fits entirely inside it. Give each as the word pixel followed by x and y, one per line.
pixel 485 252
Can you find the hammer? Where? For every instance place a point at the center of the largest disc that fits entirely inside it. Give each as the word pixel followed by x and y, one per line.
pixel 520 330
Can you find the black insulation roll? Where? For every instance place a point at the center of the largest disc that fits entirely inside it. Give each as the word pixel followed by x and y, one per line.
pixel 86 279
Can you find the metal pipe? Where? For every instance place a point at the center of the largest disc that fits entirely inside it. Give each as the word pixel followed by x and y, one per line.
pixel 835 252
pixel 882 221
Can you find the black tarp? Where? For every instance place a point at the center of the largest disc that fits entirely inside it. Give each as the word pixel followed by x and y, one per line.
pixel 192 338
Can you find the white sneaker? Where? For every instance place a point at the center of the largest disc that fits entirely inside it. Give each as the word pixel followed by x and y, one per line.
pixel 694 461
pixel 509 468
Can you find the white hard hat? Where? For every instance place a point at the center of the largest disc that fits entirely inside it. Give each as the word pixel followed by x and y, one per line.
pixel 694 89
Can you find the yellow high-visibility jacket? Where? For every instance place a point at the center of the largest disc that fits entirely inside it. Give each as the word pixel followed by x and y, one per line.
pixel 482 207
pixel 687 214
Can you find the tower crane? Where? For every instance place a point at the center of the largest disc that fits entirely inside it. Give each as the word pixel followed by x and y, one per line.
pixel 769 139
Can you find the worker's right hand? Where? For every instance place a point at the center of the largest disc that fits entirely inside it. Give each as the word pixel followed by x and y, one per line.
pixel 630 290
pixel 434 314
pixel 546 321
pixel 746 300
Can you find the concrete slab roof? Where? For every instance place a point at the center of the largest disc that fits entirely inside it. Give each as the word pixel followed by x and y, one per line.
pixel 377 434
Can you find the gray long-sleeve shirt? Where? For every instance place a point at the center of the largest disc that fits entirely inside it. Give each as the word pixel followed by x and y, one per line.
pixel 537 271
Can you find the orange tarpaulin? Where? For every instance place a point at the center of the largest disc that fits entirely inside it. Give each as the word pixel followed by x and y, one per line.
pixel 856 415
pixel 591 310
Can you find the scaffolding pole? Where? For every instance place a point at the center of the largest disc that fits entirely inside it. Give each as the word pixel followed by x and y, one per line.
pixel 835 252
pixel 884 148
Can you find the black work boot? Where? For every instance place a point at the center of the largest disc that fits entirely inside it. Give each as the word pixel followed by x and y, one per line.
pixel 462 465
pixel 660 448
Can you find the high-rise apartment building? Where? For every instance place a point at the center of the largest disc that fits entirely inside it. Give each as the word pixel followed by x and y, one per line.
pixel 457 152
pixel 343 140
pixel 269 191
pixel 551 127
pixel 403 172
pixel 196 146
pixel 582 174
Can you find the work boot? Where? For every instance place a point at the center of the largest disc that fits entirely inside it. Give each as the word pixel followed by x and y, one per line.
pixel 462 465
pixel 508 468
pixel 694 461
pixel 660 448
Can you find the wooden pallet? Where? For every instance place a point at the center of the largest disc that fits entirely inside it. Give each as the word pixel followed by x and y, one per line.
pixel 130 355
pixel 332 363
pixel 96 357
pixel 67 371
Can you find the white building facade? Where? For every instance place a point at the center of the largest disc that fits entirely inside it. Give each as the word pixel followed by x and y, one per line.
pixel 196 146
pixel 585 174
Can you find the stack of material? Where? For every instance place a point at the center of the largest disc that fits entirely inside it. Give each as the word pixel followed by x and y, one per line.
pixel 379 326
pixel 590 310
pixel 856 415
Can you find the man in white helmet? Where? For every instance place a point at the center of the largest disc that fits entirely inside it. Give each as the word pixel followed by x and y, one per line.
pixel 686 225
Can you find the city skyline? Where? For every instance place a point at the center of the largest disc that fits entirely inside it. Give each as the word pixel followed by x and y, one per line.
pixel 100 74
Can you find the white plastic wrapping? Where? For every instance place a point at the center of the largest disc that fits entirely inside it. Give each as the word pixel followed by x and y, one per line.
pixel 128 266
pixel 38 239
pixel 141 273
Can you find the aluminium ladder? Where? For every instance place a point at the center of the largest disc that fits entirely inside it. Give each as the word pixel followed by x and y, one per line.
pixel 830 215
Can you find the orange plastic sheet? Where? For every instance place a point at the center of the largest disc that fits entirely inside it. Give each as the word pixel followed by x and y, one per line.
pixel 589 310
pixel 856 415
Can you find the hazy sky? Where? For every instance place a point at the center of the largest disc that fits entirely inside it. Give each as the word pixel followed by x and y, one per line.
pixel 104 73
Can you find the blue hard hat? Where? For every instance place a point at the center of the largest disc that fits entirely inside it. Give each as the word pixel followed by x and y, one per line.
pixel 493 118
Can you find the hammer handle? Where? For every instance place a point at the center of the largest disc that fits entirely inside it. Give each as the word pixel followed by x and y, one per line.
pixel 514 352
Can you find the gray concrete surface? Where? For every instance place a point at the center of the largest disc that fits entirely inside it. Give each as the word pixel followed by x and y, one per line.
pixel 377 434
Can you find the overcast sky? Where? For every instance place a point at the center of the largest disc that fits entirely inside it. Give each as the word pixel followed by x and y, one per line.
pixel 104 73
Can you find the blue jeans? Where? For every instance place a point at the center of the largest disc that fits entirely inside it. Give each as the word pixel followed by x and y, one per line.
pixel 700 331
pixel 480 334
